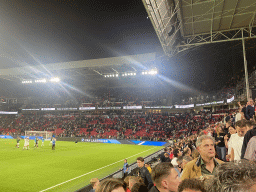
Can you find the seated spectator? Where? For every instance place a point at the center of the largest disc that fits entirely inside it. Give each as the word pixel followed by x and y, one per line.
pixel 236 140
pixel 94 182
pixel 191 185
pixel 165 178
pixel 111 185
pixel 205 164
pixel 139 187
pixel 232 176
pixel 144 173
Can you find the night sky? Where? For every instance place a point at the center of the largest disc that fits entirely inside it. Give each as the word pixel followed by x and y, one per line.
pixel 40 32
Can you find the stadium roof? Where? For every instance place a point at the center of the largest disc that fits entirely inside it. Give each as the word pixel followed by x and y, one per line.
pixel 182 24
pixel 86 72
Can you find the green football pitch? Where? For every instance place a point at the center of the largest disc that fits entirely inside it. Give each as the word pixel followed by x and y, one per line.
pixel 68 168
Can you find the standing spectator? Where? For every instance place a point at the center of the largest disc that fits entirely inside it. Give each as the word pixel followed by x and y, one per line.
pixel 205 164
pixel 176 153
pixel 144 173
pixel 125 168
pixel 249 110
pixel 220 144
pixel 165 178
pixel 250 153
pixel 94 182
pixel 231 131
pixel 236 140
pixel 247 138
pixel 162 157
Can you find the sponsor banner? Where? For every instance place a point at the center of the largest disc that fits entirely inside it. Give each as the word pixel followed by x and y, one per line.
pixel 9 112
pixel 113 141
pixel 66 109
pixel 86 108
pixel 231 99
pixel 151 143
pixel 47 109
pixel 158 107
pixel 109 107
pixel 6 137
pixel 30 109
pixel 184 106
pixel 132 107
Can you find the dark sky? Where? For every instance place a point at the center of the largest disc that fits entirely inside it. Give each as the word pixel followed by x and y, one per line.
pixel 48 31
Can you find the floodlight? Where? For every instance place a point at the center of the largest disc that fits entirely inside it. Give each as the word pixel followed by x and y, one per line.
pixel 146 73
pixel 134 73
pixel 55 79
pixel 125 74
pixel 122 74
pixel 143 73
pixel 116 75
pixel 107 75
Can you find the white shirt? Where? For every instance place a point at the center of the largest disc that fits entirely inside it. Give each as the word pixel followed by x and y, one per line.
pixel 238 117
pixel 174 161
pixel 236 143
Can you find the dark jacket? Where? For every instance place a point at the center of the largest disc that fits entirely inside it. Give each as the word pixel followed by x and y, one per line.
pixel 162 157
pixel 145 175
pixel 154 189
pixel 249 112
pixel 247 138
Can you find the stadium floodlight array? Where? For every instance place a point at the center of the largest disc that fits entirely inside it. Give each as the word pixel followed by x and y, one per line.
pixel 150 72
pixel 40 81
pixel 27 81
pixel 128 74
pixel 53 80
pixel 111 75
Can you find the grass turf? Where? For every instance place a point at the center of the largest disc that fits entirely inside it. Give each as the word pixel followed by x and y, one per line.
pixel 40 168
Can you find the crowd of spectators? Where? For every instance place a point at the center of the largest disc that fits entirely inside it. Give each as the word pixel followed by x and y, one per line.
pixel 218 158
pixel 127 125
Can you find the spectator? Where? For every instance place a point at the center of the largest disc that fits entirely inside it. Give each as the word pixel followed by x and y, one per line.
pixel 249 125
pixel 249 134
pixel 125 168
pixel 205 164
pixel 231 131
pixel 133 180
pixel 167 157
pixel 162 157
pixel 139 187
pixel 191 185
pixel 179 168
pixel 111 185
pixel 220 143
pixel 148 166
pixel 234 177
pixel 165 178
pixel 176 153
pixel 144 173
pixel 126 180
pixel 250 153
pixel 187 152
pixel 94 182
pixel 185 160
pixel 249 110
pixel 236 140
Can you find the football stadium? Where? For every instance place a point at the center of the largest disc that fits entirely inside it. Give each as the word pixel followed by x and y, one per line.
pixel 134 96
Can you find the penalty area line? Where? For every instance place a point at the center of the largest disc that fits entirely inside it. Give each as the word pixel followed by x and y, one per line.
pixel 94 171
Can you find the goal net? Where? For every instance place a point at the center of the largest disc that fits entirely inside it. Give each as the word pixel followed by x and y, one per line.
pixel 39 134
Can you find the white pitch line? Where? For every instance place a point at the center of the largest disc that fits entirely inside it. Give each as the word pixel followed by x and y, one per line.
pixel 93 171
